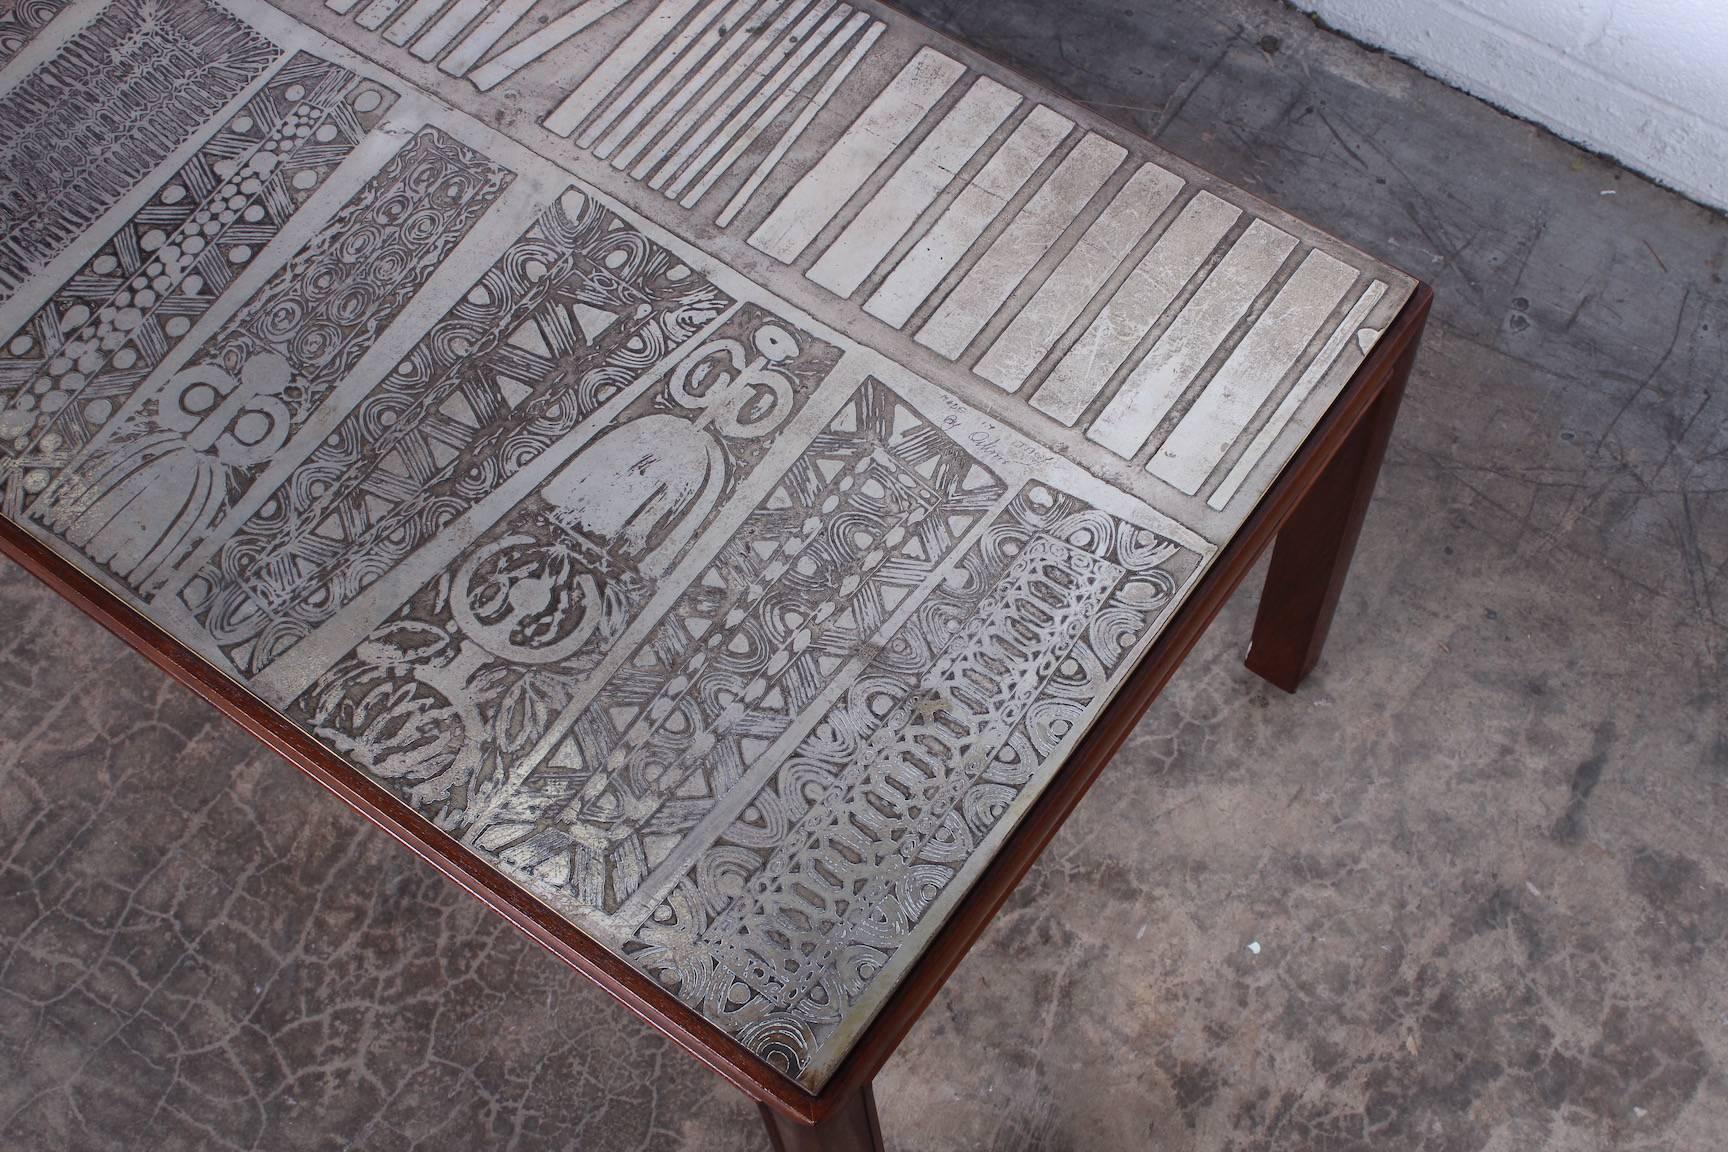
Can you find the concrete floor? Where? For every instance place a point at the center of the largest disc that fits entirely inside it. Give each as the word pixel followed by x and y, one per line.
pixel 1480 853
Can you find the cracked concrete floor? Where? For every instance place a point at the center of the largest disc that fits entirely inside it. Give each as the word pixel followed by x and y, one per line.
pixel 1480 853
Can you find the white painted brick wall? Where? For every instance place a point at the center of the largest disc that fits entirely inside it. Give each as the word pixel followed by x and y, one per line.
pixel 1645 81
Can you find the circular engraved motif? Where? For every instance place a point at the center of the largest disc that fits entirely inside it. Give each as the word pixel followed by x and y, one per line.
pixel 525 601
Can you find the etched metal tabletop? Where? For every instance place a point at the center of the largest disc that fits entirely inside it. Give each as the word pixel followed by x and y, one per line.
pixel 713 458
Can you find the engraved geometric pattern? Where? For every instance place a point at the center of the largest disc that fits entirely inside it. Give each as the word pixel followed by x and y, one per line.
pixel 868 822
pixel 728 573
pixel 20 20
pixel 83 355
pixel 444 700
pixel 856 525
pixel 80 130
pixel 154 484
pixel 694 85
pixel 1137 317
pixel 566 318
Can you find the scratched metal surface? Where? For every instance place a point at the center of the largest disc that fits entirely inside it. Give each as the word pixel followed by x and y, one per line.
pixel 712 459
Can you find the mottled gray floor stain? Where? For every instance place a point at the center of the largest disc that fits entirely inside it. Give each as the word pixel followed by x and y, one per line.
pixel 1570 827
pixel 1480 852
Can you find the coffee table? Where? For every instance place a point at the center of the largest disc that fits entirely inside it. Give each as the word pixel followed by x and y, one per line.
pixel 717 478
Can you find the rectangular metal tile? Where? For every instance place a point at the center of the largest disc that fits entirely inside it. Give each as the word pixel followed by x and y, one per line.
pixel 1061 299
pixel 824 190
pixel 1134 310
pixel 1201 328
pixel 913 187
pixel 999 271
pixel 965 220
pixel 1253 370
pixel 1348 329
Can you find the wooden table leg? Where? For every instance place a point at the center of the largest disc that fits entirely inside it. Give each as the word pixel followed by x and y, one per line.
pixel 1311 556
pixel 851 1127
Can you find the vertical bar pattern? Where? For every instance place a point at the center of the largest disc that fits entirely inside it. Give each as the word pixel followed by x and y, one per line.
pixel 793 130
pixel 732 37
pixel 999 271
pixel 818 197
pixel 1082 272
pixel 448 27
pixel 669 72
pixel 525 52
pixel 1303 388
pixel 914 187
pixel 1132 312
pixel 742 80
pixel 1251 373
pixel 1202 327
pixel 594 90
pixel 973 210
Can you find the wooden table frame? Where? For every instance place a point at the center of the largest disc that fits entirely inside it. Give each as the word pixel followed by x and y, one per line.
pixel 1314 510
